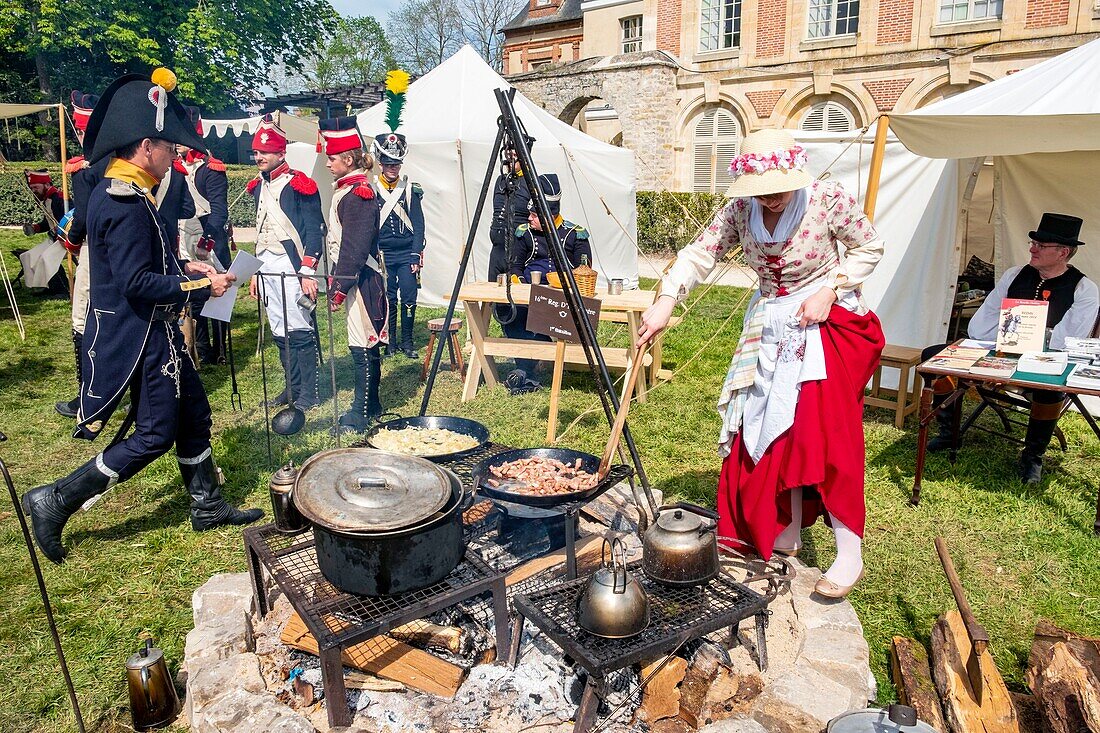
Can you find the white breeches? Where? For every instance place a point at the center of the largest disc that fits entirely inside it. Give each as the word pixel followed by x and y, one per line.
pixel 272 290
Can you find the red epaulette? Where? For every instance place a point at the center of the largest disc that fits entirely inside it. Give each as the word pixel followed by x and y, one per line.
pixel 363 191
pixel 73 165
pixel 303 184
pixel 251 187
pixel 179 166
pixel 214 164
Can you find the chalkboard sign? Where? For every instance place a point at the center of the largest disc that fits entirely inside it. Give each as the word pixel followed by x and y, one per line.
pixel 550 314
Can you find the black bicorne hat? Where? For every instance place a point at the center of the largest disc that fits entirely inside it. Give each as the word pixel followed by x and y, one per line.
pixel 1058 229
pixel 135 107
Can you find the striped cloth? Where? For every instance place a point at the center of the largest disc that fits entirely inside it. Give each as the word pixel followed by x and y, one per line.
pixel 740 376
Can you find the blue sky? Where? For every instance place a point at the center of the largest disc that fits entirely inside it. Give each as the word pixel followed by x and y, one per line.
pixel 380 9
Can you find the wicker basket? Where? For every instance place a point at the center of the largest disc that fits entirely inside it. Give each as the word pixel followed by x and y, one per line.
pixel 586 278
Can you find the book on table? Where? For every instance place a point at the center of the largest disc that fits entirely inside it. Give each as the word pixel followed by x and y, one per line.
pixel 1043 362
pixel 956 357
pixel 1084 376
pixel 994 366
pixel 1022 325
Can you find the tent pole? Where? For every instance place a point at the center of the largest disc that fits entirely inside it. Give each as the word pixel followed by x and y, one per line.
pixel 65 190
pixel 877 155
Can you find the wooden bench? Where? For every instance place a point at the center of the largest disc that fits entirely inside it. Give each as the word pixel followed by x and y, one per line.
pixel 906 399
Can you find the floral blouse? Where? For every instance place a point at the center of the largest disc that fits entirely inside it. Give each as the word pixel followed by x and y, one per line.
pixel 832 215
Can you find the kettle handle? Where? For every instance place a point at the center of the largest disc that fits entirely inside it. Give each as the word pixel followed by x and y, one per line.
pixel 701 511
pixel 613 543
pixel 144 676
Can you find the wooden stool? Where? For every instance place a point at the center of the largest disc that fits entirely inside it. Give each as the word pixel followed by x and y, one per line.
pixel 907 398
pixel 435 326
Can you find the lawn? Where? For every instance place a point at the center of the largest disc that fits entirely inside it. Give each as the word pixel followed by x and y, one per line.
pixel 1023 553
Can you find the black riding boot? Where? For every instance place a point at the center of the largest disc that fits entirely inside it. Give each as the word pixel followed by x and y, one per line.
pixel 69 409
pixel 391 325
pixel 945 420
pixel 1039 433
pixel 284 356
pixel 408 321
pixel 374 380
pixel 355 420
pixel 304 348
pixel 202 340
pixel 50 506
pixel 208 508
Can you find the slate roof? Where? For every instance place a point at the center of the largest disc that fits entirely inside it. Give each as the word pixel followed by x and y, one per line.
pixel 569 10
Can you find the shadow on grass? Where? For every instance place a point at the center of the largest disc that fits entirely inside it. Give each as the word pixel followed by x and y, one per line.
pixel 25 373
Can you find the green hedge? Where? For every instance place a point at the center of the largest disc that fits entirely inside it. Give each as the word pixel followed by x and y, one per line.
pixel 666 221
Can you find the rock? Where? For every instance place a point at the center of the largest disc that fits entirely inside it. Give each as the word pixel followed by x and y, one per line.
pixel 240 711
pixel 223 595
pixel 209 643
pixel 212 680
pixel 802 701
pixel 843 657
pixel 734 725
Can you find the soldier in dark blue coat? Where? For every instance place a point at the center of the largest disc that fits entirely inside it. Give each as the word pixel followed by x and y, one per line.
pixel 133 341
pixel 290 230
pixel 355 261
pixel 400 237
pixel 173 196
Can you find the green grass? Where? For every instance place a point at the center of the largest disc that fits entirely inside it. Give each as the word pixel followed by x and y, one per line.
pixel 1023 554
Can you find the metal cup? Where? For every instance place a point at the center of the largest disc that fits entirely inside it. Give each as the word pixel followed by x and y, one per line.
pixel 615 287
pixel 536 277
pixel 306 303
pixel 502 279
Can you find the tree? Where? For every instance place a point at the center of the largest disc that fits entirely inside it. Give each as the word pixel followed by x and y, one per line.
pixel 482 21
pixel 358 53
pixel 424 33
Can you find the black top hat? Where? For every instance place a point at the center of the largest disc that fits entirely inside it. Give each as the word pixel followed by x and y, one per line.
pixel 390 147
pixel 133 108
pixel 1058 229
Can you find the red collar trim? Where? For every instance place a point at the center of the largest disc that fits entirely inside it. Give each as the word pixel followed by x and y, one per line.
pixel 283 169
pixel 194 155
pixel 352 179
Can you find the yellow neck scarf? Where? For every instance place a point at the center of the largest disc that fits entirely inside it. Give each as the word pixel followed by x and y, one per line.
pixel 124 170
pixel 386 184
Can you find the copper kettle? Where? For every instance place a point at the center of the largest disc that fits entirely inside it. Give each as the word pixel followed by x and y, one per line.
pixel 153 700
pixel 681 547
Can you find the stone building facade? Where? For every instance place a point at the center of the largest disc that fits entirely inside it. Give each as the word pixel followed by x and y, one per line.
pixel 682 80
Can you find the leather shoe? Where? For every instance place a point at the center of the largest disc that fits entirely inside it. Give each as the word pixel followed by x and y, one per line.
pixel 829 589
pixel 67 409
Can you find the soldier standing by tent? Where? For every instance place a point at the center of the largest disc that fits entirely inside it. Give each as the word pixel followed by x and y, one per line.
pixel 354 260
pixel 139 286
pixel 205 237
pixel 290 230
pixel 401 228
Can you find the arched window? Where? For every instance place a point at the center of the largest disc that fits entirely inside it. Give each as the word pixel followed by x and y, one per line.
pixel 714 144
pixel 827 117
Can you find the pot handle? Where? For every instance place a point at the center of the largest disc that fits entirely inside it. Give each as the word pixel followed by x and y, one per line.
pixel 616 542
pixel 702 512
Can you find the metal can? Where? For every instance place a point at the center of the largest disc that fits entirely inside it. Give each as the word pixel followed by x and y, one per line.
pixel 502 279
pixel 536 277
pixel 615 287
pixel 306 303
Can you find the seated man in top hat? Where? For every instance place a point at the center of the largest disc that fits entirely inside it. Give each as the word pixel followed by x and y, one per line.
pixel 1074 301
pixel 134 344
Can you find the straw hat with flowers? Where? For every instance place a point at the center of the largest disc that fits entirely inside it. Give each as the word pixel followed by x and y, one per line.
pixel 770 162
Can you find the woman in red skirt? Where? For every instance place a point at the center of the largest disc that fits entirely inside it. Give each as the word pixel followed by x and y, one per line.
pixel 792 402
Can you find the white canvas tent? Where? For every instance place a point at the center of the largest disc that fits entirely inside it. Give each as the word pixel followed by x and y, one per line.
pixel 1042 125
pixel 450 121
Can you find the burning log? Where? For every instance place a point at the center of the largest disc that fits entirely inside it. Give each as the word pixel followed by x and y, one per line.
pixel 913 678
pixel 964 711
pixel 425 634
pixel 1064 673
pixel 700 675
pixel 661 697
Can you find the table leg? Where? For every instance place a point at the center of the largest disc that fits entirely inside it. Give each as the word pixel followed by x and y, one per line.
pixel 555 392
pixel 634 324
pixel 903 397
pixel 922 440
pixel 516 640
pixel 332 676
pixel 586 711
pixel 478 316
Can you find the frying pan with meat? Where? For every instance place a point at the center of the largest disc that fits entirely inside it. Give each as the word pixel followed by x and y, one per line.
pixel 461 425
pixel 506 491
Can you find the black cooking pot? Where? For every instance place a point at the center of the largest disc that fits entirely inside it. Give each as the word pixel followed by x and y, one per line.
pixel 377 527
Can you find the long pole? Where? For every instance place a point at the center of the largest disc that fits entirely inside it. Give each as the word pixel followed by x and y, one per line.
pixel 65 192
pixel 878 153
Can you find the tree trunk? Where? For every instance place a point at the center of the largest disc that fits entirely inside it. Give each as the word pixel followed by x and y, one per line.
pixel 49 148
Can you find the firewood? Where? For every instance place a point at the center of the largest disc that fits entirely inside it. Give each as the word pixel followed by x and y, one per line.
pixel 670 725
pixel 1086 648
pixel 1067 690
pixel 356 680
pixel 950 648
pixel 423 633
pixel 731 693
pixel 913 680
pixel 586 549
pixel 388 658
pixel 1027 712
pixel 661 697
pixel 697 681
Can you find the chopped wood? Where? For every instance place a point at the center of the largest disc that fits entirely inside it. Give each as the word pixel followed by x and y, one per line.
pixel 1027 712
pixel 661 697
pixel 950 649
pixel 388 658
pixel 1086 648
pixel 913 680
pixel 1067 690
pixel 708 659
pixel 477 512
pixel 585 548
pixel 304 693
pixel 670 725
pixel 424 633
pixel 356 680
pixel 731 693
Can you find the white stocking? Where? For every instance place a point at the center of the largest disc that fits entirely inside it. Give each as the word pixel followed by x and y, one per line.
pixel 848 565
pixel 791 536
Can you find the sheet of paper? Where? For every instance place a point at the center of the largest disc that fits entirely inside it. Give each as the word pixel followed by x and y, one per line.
pixel 976 344
pixel 220 307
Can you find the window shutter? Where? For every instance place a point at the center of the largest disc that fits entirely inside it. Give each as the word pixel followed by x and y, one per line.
pixel 716 141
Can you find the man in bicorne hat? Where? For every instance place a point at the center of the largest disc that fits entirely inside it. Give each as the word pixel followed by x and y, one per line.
pixel 1074 301
pixel 133 342
pixel 290 230
pixel 205 237
pixel 400 237
pixel 358 281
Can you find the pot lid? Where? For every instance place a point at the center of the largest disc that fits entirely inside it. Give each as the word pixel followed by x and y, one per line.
pixel 368 490
pixel 285 475
pixel 895 719
pixel 147 657
pixel 677 520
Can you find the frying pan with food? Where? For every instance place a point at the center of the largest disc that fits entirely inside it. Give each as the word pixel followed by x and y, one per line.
pixel 483 474
pixel 461 425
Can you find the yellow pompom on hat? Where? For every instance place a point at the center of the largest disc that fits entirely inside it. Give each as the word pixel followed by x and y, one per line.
pixel 164 77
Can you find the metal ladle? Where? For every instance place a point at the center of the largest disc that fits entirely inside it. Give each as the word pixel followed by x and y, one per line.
pixel 290 419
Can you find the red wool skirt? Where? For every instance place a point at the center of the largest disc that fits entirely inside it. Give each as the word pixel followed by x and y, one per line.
pixel 822 450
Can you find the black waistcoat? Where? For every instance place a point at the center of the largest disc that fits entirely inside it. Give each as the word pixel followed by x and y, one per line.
pixel 1058 291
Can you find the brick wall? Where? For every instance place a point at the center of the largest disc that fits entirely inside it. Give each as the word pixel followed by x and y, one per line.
pixel 1047 13
pixel 771 28
pixel 764 102
pixel 895 21
pixel 669 19
pixel 886 93
pixel 545 49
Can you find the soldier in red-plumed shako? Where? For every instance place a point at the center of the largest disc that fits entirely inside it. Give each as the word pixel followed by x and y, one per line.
pixel 205 237
pixel 41 185
pixel 290 230
pixel 132 340
pixel 42 264
pixel 354 258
